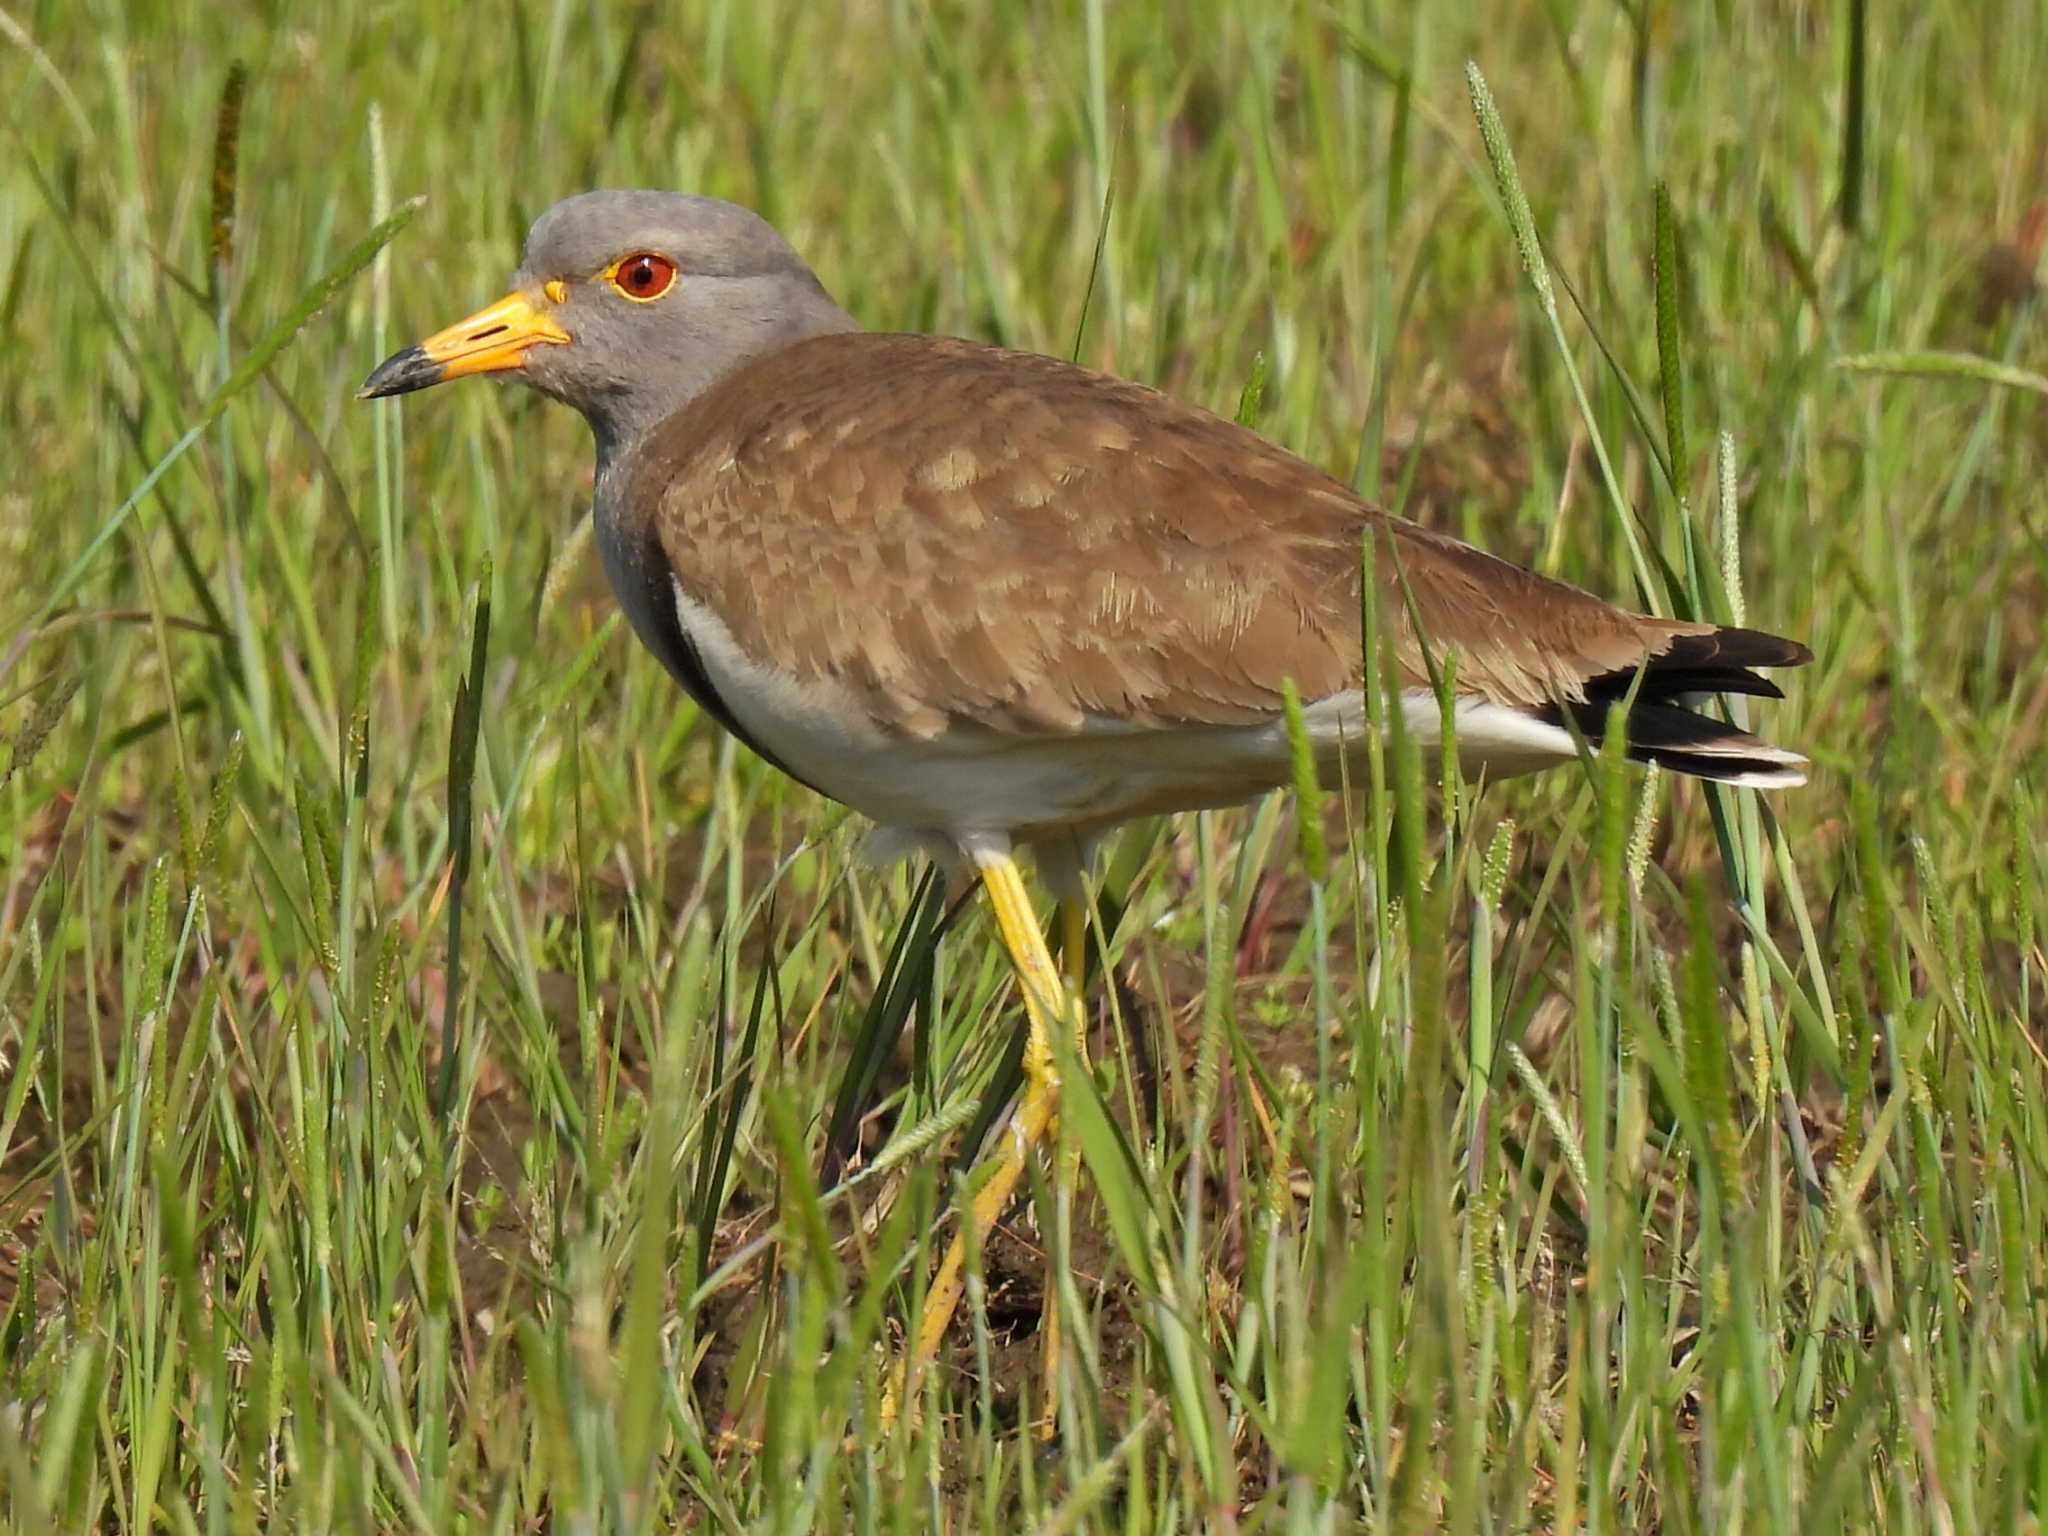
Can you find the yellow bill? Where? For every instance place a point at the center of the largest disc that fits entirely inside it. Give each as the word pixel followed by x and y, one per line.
pixel 489 341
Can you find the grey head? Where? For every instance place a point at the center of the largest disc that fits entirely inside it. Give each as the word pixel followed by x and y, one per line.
pixel 628 305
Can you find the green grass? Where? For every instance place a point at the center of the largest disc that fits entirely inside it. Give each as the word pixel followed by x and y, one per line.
pixel 1588 1152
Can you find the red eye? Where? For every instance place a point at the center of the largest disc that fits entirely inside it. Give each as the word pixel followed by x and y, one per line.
pixel 643 277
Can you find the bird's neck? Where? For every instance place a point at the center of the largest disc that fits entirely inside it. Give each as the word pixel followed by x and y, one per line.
pixel 624 523
pixel 624 426
pixel 710 350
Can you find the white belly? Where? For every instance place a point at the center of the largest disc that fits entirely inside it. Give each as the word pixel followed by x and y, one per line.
pixel 970 781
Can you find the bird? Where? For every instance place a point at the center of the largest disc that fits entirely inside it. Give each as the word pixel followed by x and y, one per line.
pixel 1001 603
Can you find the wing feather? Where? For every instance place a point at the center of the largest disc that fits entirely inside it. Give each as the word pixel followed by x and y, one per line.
pixel 951 533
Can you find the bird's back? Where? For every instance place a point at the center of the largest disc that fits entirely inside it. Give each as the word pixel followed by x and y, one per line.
pixel 952 531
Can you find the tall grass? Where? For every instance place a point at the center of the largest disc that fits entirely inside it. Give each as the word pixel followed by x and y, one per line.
pixel 448 1086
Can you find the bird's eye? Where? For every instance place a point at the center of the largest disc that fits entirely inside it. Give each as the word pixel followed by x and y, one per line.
pixel 644 277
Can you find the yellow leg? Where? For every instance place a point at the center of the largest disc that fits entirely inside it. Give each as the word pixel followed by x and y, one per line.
pixel 1074 952
pixel 1074 958
pixel 1030 1125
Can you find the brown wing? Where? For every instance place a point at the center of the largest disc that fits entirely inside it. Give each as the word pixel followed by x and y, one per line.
pixel 953 532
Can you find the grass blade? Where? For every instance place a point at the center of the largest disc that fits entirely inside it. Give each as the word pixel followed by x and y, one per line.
pixel 1853 69
pixel 220 224
pixel 463 731
pixel 1676 458
pixel 261 356
pixel 905 979
pixel 1945 365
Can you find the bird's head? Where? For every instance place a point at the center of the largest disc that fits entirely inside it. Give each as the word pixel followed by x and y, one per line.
pixel 627 305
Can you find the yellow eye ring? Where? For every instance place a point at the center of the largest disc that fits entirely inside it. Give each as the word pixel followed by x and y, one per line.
pixel 642 277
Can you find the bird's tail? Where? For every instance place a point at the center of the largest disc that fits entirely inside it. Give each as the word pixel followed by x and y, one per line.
pixel 1665 727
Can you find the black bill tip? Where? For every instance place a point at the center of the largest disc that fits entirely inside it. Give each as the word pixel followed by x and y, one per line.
pixel 401 374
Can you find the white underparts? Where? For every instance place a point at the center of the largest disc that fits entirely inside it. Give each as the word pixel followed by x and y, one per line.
pixel 971 787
